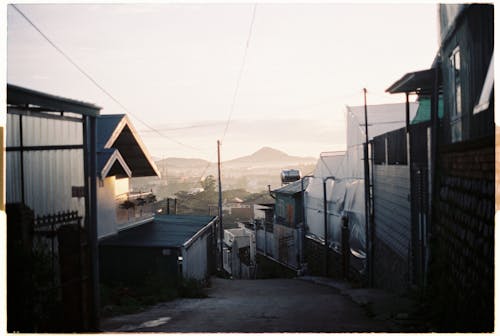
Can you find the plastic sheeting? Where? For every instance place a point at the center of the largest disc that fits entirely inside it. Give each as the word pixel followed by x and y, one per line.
pixel 345 193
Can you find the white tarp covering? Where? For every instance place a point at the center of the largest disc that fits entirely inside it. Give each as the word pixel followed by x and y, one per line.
pixel 345 194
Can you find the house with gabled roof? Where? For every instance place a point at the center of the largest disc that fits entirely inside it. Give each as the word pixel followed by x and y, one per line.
pixel 121 155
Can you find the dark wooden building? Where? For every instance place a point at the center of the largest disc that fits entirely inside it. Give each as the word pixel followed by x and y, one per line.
pixel 452 250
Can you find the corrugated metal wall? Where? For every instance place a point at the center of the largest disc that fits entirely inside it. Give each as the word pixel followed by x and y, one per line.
pixel 49 174
pixel 51 132
pixel 195 259
pixel 392 206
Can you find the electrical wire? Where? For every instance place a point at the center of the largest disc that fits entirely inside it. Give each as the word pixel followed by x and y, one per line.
pixel 182 128
pixel 240 73
pixel 93 81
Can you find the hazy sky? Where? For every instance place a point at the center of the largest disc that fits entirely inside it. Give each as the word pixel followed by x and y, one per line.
pixel 176 67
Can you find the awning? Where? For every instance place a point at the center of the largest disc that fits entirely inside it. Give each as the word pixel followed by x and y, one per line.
pixel 419 82
pixel 489 81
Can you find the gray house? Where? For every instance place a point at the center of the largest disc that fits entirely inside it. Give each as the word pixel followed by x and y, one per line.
pixel 51 184
pixel 170 247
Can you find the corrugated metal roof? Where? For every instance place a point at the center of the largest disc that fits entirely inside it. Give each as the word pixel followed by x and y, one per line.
pixel 116 131
pixel 17 95
pixel 292 188
pixel 163 231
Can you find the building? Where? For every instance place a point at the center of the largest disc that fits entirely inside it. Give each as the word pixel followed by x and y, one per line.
pixel 453 223
pixel 337 190
pixel 170 247
pixel 283 241
pixel 51 184
pixel 239 252
pixel 121 156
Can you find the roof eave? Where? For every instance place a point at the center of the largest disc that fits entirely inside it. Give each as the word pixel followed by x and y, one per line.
pixel 125 121
pixel 17 95
pixel 419 82
pixel 116 156
pixel 191 240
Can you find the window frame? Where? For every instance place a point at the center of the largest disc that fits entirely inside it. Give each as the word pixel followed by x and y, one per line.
pixel 456 113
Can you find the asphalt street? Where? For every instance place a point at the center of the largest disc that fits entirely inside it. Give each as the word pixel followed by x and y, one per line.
pixel 273 305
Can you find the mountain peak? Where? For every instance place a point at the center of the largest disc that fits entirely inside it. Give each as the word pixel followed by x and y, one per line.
pixel 268 154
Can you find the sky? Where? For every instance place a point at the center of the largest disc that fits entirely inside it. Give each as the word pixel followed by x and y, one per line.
pixel 250 75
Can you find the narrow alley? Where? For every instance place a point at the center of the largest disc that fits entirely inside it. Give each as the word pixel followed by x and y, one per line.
pixel 271 305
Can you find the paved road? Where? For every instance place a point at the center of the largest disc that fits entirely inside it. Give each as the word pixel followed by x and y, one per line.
pixel 274 305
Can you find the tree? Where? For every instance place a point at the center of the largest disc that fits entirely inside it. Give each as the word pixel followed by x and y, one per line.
pixel 208 184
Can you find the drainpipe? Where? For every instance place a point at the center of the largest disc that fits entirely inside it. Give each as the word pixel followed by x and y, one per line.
pixel 368 247
pixel 325 212
pixel 304 220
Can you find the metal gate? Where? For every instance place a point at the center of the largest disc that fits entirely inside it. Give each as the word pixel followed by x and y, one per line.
pixel 62 237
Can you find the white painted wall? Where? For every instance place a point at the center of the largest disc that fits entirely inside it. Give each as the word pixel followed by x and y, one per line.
pixel 106 207
pixel 122 186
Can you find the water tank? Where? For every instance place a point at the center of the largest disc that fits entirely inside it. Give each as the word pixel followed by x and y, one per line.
pixel 290 175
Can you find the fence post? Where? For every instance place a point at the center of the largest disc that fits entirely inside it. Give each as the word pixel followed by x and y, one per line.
pixel 346 249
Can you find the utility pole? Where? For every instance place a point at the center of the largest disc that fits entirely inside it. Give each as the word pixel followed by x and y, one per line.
pixel 221 227
pixel 368 235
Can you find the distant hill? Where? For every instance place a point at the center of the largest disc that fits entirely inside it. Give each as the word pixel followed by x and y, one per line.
pixel 252 173
pixel 267 155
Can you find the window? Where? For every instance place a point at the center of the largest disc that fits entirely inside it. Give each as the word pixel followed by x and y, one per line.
pixel 456 99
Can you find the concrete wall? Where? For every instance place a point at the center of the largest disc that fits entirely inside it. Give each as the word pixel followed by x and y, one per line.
pixel 315 258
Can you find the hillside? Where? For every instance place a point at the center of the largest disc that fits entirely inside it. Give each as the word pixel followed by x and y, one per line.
pixel 252 172
pixel 265 155
pixel 270 156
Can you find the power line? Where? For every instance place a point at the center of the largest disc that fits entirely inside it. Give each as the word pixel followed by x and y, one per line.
pixel 240 74
pixel 79 68
pixel 183 128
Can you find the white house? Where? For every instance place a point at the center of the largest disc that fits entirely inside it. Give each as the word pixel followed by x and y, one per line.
pixel 121 155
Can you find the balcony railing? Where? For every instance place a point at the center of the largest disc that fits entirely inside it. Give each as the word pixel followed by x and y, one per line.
pixel 133 208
